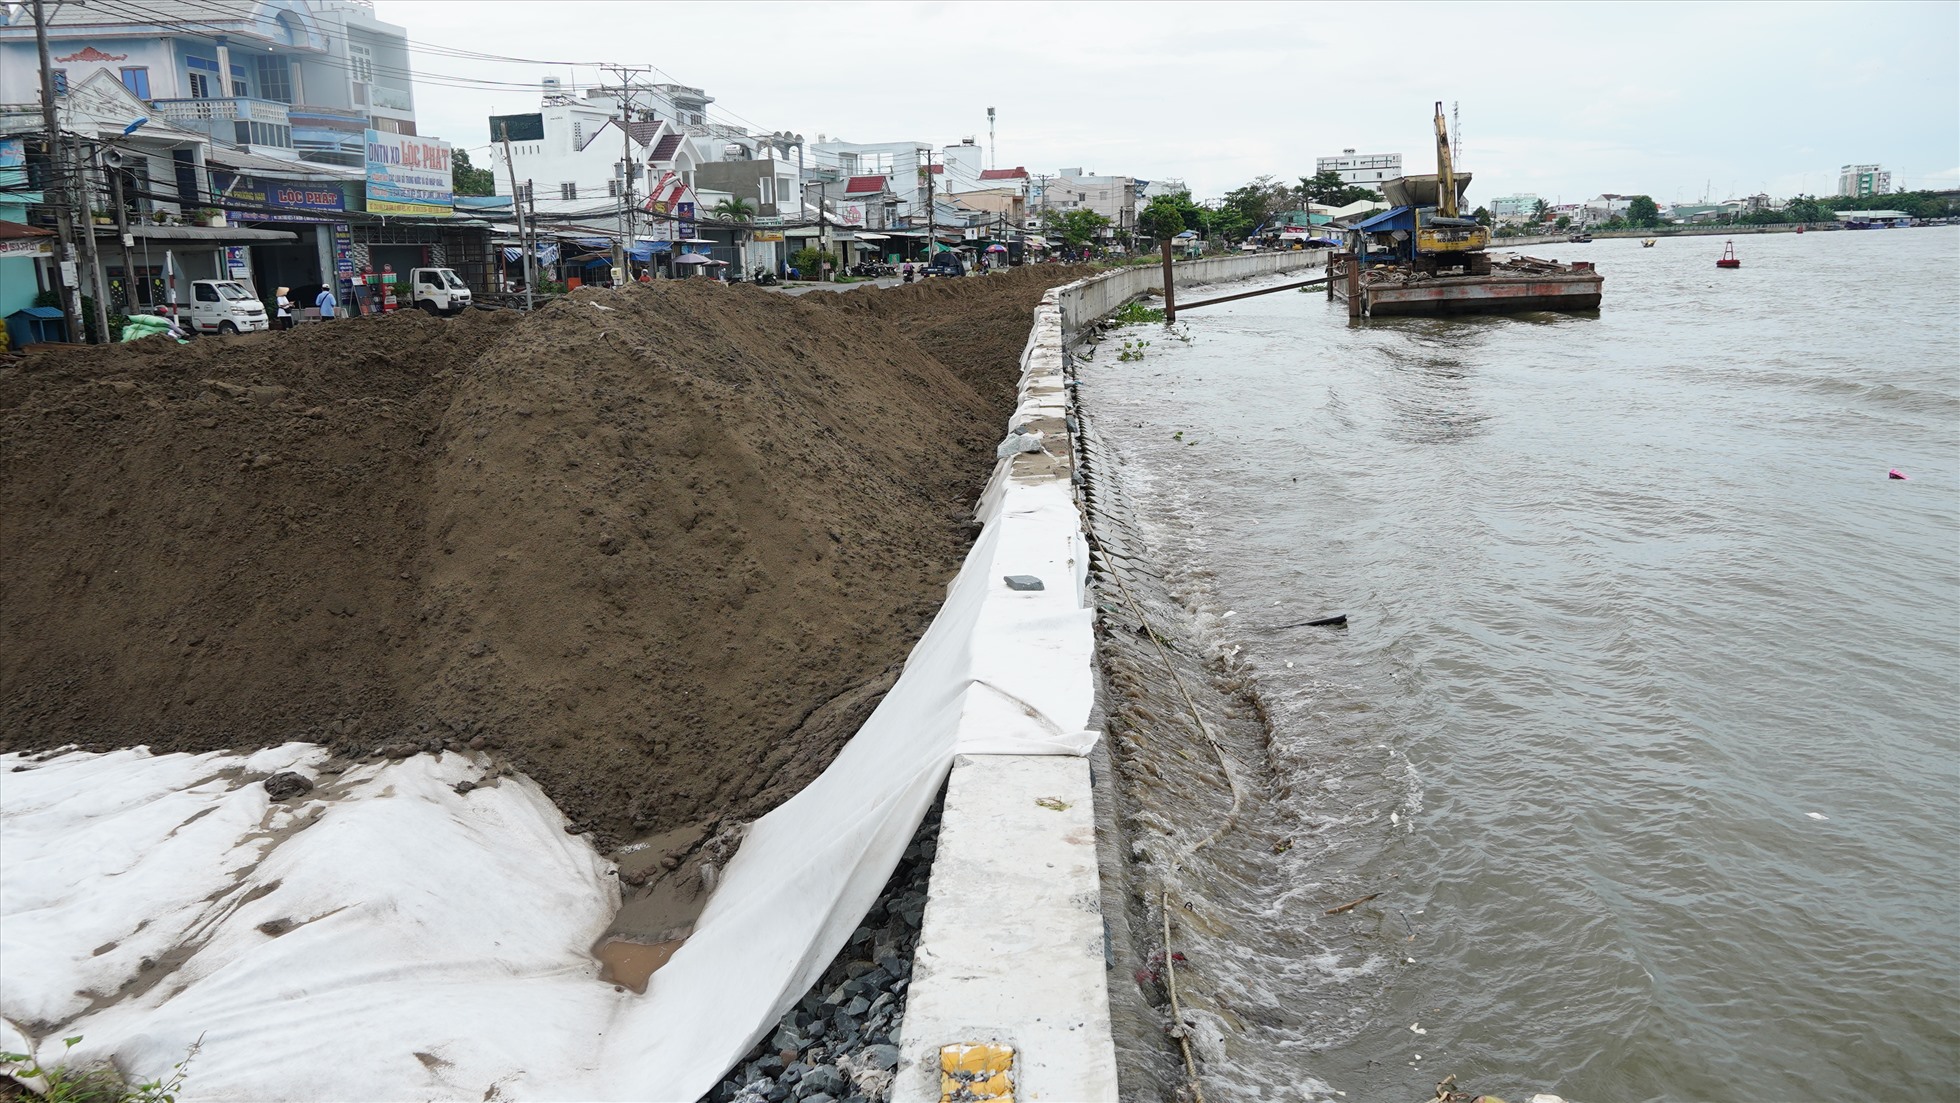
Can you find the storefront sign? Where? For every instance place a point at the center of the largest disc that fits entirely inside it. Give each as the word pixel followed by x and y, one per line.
pixel 278 200
pixel 408 175
pixel 27 247
pixel 343 251
pixel 685 212
pixel 768 235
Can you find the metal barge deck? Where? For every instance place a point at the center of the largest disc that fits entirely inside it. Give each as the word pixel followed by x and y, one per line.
pixel 1512 284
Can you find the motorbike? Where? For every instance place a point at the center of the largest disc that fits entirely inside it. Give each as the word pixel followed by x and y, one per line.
pixel 765 278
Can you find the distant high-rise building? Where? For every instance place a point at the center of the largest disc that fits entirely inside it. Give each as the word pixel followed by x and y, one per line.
pixel 1863 180
pixel 1365 169
pixel 1514 208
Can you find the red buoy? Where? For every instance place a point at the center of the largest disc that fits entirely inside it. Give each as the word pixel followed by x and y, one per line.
pixel 1729 259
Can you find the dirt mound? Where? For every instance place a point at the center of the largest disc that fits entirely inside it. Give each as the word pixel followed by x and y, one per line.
pixel 664 546
pixel 970 324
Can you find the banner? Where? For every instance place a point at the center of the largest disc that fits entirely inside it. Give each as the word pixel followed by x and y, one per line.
pixel 408 175
pixel 277 200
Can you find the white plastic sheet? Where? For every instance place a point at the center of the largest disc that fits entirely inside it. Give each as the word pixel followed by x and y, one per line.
pixel 440 941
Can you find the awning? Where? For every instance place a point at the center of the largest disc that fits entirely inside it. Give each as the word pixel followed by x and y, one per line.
pixel 216 237
pixel 693 258
pixel 871 237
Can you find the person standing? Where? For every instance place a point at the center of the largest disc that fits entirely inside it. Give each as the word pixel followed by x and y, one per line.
pixel 285 309
pixel 326 302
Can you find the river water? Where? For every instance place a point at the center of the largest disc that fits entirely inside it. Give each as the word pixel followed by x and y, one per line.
pixel 1646 723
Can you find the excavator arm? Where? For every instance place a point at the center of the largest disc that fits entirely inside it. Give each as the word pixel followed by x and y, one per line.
pixel 1445 172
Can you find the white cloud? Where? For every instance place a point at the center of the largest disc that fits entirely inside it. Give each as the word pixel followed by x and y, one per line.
pixel 1572 101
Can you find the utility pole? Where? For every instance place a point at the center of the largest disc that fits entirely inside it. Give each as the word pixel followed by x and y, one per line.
pixel 85 220
pixel 629 235
pixel 932 201
pixel 122 237
pixel 524 247
pixel 64 269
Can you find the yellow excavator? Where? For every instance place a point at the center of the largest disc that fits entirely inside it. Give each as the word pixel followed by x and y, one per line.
pixel 1425 228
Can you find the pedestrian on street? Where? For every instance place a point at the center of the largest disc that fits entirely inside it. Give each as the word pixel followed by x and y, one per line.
pixel 326 302
pixel 285 309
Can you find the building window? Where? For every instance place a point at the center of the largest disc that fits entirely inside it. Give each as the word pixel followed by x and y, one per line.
pixel 238 85
pixel 525 192
pixel 568 190
pixel 203 76
pixel 262 134
pixel 578 135
pixel 136 78
pixel 60 77
pixel 360 62
pixel 275 78
pixel 612 189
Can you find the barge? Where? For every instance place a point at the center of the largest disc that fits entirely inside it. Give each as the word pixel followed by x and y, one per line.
pixel 1509 284
pixel 1421 256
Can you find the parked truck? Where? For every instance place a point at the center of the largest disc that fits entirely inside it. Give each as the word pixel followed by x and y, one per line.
pixel 438 290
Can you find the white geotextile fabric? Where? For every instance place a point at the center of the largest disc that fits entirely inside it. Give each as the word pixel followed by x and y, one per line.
pixel 442 941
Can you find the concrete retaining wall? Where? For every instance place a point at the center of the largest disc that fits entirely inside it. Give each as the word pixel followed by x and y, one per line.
pixel 1009 994
pixel 1082 303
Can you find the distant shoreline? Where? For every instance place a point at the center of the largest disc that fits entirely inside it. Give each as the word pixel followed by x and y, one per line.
pixel 1675 231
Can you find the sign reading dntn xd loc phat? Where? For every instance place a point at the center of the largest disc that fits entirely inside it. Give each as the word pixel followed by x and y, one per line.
pixel 408 175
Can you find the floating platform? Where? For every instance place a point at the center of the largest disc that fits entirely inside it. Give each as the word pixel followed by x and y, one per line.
pixel 1512 284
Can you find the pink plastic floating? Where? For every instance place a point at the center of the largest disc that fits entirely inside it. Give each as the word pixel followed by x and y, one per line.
pixel 1895 473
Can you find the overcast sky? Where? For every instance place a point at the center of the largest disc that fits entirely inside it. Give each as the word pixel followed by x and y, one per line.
pixel 1561 100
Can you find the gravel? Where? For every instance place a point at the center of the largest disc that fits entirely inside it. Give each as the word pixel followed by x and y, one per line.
pixel 839 1044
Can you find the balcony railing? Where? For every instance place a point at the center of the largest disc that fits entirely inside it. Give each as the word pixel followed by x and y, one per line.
pixel 237 120
pixel 233 109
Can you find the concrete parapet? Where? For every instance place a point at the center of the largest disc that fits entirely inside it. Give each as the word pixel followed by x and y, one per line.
pixel 1009 996
pixel 1083 302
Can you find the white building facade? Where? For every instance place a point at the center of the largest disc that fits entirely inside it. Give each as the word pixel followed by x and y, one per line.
pixel 1863 180
pixel 1514 208
pixel 1365 169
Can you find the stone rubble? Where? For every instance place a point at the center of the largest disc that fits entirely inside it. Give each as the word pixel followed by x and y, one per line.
pixel 839 1044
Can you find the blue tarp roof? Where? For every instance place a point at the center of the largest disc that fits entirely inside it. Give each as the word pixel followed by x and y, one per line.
pixel 1394 218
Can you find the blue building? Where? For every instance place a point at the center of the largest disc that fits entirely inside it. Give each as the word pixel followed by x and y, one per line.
pixel 254 121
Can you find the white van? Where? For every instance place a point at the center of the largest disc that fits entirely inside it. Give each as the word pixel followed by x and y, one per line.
pixel 222 306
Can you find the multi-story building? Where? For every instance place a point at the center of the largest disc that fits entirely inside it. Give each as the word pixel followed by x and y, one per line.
pixel 902 164
pixel 1365 169
pixel 1604 206
pixel 1859 181
pixel 288 119
pixel 1514 208
pixel 1113 197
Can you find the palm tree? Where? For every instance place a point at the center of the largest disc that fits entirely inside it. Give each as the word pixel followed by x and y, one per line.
pixel 739 211
pixel 1540 209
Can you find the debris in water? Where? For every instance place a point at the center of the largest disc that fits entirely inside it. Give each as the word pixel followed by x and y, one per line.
pixel 1416 1028
pixel 1338 620
pixel 1895 473
pixel 1817 815
pixel 1352 904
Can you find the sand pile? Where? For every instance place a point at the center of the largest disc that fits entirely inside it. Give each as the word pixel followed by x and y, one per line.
pixel 663 548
